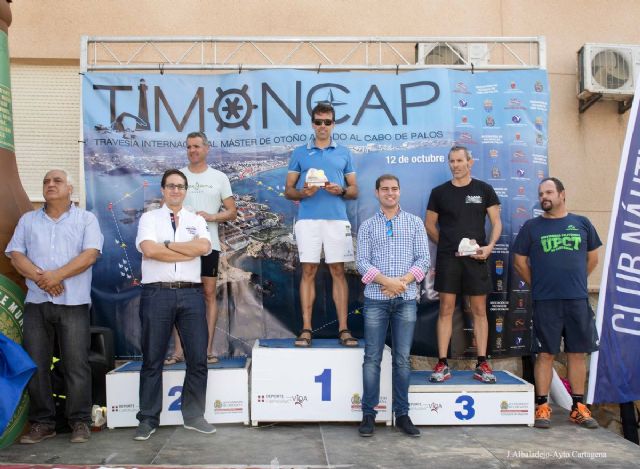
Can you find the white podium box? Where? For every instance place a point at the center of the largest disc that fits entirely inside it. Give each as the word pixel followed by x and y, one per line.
pixel 462 400
pixel 322 383
pixel 227 393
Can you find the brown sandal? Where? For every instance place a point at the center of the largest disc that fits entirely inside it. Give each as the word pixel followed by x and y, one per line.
pixel 303 342
pixel 173 359
pixel 349 341
pixel 211 359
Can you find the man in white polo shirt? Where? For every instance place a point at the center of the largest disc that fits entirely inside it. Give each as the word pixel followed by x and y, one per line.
pixel 171 241
pixel 209 189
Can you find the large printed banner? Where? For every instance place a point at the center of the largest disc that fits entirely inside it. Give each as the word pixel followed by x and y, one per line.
pixel 615 369
pixel 135 128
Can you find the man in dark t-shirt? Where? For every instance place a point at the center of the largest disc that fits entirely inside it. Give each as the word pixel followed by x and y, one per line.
pixel 457 209
pixel 554 253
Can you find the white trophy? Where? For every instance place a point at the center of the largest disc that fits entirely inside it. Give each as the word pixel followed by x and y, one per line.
pixel 316 177
pixel 468 247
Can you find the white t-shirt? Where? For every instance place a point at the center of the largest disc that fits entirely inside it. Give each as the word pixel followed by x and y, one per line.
pixel 156 226
pixel 206 192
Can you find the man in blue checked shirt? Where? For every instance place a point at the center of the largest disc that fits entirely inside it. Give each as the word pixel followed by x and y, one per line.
pixel 54 249
pixel 392 255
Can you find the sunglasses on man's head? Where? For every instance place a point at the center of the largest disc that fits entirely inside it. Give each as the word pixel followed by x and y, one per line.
pixel 319 122
pixel 389 228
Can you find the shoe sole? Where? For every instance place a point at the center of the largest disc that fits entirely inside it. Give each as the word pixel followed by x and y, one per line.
pixel 590 426
pixel 440 381
pixel 479 378
pixel 365 435
pixel 543 424
pixel 33 442
pixel 408 434
pixel 79 440
pixel 199 431
pixel 146 437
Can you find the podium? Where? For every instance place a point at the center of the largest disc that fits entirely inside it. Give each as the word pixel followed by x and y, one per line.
pixel 321 383
pixel 227 393
pixel 463 400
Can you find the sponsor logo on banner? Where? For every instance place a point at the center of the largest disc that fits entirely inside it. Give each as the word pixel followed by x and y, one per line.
pixel 499 285
pixel 124 408
pixel 540 174
pixel 499 267
pixel 465 137
pixel 487 105
pixel 539 140
pixel 299 399
pixel 430 407
pixel 227 407
pixel 519 324
pixel 538 87
pixel 514 408
pixel 516 119
pixel 513 88
pixel 461 87
pixel 356 403
pixel 434 407
pixel 275 399
pixel 495 172
pixel 499 342
pixel 462 102
pixel 493 153
pixel 539 123
pixel 521 212
pixel 499 323
pixel 490 121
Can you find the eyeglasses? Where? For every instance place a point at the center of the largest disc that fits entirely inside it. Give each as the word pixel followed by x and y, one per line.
pixel 319 122
pixel 180 187
pixel 389 226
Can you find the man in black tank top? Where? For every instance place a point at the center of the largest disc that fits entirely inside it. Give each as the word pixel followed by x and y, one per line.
pixel 457 209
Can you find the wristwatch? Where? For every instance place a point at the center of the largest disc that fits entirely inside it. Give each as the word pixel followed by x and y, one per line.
pixel 166 244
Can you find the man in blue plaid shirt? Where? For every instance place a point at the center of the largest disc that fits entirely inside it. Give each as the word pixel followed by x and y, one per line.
pixel 392 255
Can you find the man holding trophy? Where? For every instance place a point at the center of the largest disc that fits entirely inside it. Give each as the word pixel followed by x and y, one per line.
pixel 321 177
pixel 455 221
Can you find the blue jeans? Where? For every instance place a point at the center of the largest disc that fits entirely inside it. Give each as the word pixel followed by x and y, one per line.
pixel 42 322
pixel 377 316
pixel 160 309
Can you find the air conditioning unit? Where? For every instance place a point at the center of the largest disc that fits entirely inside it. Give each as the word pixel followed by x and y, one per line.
pixel 452 53
pixel 608 70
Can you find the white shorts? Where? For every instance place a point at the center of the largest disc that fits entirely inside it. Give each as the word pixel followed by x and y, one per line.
pixel 332 235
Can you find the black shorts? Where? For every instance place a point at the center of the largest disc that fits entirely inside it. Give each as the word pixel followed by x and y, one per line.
pixel 209 264
pixel 462 276
pixel 572 319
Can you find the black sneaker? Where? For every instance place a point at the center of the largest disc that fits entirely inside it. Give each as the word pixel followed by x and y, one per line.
pixel 200 425
pixel 368 425
pixel 405 424
pixel 144 431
